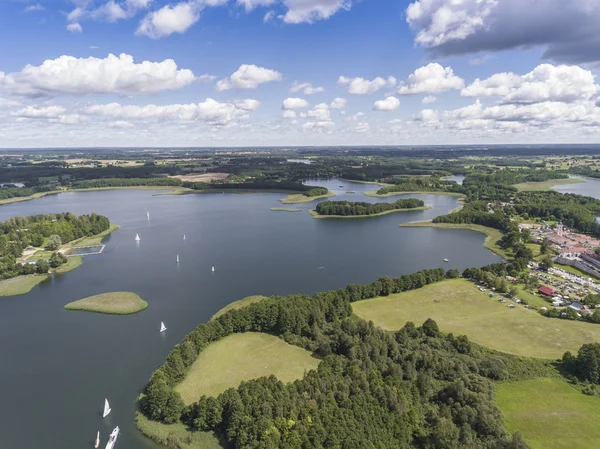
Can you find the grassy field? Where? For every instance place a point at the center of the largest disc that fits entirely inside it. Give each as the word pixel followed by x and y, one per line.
pixel 238 304
pixel 286 209
pixel 493 235
pixel 550 414
pixel 386 195
pixel 72 263
pixel 20 285
pixel 176 435
pixel 297 198
pixel 316 215
pixel 116 303
pixel 92 241
pixel 546 185
pixel 463 309
pixel 240 357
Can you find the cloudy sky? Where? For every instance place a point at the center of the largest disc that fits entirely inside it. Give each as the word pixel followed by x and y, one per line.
pixel 298 72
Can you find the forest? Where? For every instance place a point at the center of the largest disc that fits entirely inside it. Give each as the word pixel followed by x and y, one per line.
pixel 414 388
pixel 17 233
pixel 432 184
pixel 348 208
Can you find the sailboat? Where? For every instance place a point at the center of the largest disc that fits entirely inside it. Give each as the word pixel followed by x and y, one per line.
pixel 137 237
pixel 445 260
pixel 148 215
pixel 177 258
pixel 183 236
pixel 97 442
pixel 106 408
pixel 113 438
pixel 162 327
pixel 213 269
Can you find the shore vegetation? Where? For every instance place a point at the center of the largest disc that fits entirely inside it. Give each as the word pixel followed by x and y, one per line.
pixel 115 303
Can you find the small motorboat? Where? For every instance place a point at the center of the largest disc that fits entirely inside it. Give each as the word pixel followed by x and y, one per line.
pixel 445 260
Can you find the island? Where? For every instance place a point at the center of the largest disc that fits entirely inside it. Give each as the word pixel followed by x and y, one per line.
pixel 316 193
pixel 115 303
pixel 348 209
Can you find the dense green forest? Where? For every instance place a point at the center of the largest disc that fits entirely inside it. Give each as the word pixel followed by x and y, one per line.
pixel 414 388
pixel 431 184
pixel 348 208
pixel 17 233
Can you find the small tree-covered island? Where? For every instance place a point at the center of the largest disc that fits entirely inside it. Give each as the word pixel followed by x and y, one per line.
pixel 39 244
pixel 348 209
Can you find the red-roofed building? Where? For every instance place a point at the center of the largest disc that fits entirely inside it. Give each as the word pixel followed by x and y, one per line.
pixel 546 291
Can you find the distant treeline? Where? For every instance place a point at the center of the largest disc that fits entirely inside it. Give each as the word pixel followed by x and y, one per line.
pixel 413 388
pixel 126 182
pixel 8 192
pixel 432 184
pixel 347 208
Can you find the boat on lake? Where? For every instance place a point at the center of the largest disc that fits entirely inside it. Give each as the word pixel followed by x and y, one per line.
pixel 148 215
pixel 106 408
pixel 97 442
pixel 137 237
pixel 213 269
pixel 445 260
pixel 177 258
pixel 113 438
pixel 162 327
pixel 183 236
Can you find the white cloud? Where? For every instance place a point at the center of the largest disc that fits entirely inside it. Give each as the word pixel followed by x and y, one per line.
pixel 35 7
pixel 76 14
pixel 361 86
pixel 68 119
pixel 110 11
pixel 41 112
pixel 67 75
pixel 288 113
pixel 309 11
pixel 355 117
pixel 362 127
pixel 429 99
pixel 74 27
pixel 248 76
pixel 431 79
pixel 307 88
pixel 338 103
pixel 169 19
pixel 121 124
pixel 206 78
pixel 389 104
pixel 249 5
pixel 247 104
pixel 270 15
pixel 294 103
pixel 210 111
pixel 317 126
pixel 320 112
pixel 544 83
pixel 428 116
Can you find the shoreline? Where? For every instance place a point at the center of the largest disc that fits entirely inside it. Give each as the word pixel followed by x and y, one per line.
pixel 387 195
pixel 317 216
pixel 299 198
pixel 492 235
pixel 541 186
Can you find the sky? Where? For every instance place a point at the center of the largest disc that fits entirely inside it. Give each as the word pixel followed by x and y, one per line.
pixel 212 73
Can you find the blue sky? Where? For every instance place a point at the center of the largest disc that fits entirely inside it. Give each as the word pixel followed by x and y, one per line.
pixel 222 72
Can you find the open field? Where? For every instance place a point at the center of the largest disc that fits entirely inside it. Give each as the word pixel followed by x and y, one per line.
pixel 116 303
pixel 285 209
pixel 550 414
pixel 386 195
pixel 546 185
pixel 240 303
pixel 316 215
pixel 72 263
pixel 297 198
pixel 493 235
pixel 21 284
pixel 463 309
pixel 240 357
pixel 205 177
pixel 176 435
pixel 91 241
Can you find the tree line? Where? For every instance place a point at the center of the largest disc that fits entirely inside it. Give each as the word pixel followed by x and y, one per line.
pixel 414 388
pixel 429 184
pixel 347 208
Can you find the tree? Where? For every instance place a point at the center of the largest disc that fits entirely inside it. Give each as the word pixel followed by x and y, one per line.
pixel 54 242
pixel 57 259
pixel 41 266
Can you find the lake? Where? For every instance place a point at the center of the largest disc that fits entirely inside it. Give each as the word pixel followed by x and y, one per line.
pixel 590 187
pixel 57 366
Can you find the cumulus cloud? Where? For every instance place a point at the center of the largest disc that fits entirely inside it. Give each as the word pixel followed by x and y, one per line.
pixel 35 7
pixel 269 15
pixel 317 126
pixel 169 19
pixel 289 113
pixel 247 104
pixel 249 5
pixel 389 104
pixel 121 124
pixel 294 103
pixel 74 27
pixel 431 79
pixel 309 11
pixel 67 75
pixel 544 83
pixel 338 103
pixel 362 127
pixel 41 112
pixel 361 86
pixel 248 76
pixel 355 117
pixel 307 88
pixel 320 112
pixel 567 30
pixel 209 111
pixel 429 99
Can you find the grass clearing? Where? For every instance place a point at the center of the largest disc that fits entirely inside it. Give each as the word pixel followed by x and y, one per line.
pixel 238 305
pixel 116 303
pixel 286 209
pixel 20 285
pixel 93 240
pixel 72 263
pixel 176 435
pixel 546 185
pixel 297 198
pixel 241 357
pixel 316 215
pixel 493 235
pixel 550 414
pixel 463 309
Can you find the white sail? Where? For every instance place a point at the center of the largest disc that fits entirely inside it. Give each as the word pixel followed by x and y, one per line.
pixel 148 215
pixel 177 258
pixel 183 236
pixel 97 442
pixel 137 237
pixel 162 327
pixel 106 408
pixel 213 269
